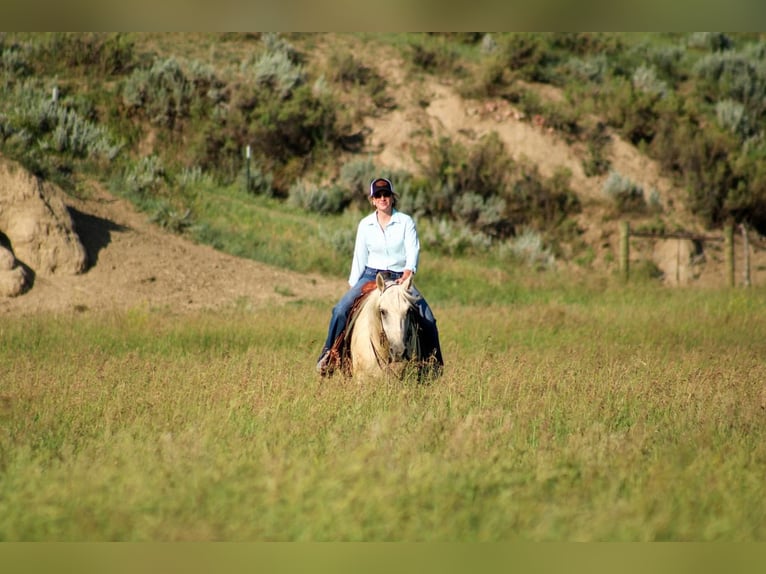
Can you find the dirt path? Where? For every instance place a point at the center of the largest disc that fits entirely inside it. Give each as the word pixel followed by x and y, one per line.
pixel 135 264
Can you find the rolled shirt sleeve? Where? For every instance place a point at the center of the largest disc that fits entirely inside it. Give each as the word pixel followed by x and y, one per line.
pixel 411 244
pixel 360 253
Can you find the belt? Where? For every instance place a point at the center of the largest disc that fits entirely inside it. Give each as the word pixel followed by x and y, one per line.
pixel 385 273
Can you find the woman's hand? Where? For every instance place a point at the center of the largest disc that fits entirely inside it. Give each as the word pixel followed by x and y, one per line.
pixel 405 275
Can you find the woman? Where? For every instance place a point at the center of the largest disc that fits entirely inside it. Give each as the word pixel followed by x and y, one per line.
pixel 386 242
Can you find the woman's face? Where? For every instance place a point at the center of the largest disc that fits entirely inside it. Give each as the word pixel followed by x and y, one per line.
pixel 383 201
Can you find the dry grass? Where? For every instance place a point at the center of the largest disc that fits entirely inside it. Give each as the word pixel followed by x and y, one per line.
pixel 633 416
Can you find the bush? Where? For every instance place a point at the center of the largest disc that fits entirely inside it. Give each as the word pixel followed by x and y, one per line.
pixel 355 177
pixel 713 41
pixel 323 200
pixel 527 56
pixel 50 136
pixel 645 80
pixel 172 219
pixel 625 193
pixel 528 247
pixel 278 73
pixel 257 181
pixel 452 238
pixel 433 54
pixel 15 62
pixel 164 94
pixel 349 71
pixel 593 69
pixel 110 54
pixel 733 75
pixel 481 187
pixel 596 162
pixel 731 116
pixel 145 177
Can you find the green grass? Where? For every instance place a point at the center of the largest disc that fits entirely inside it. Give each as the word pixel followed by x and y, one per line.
pixel 631 415
pixel 271 231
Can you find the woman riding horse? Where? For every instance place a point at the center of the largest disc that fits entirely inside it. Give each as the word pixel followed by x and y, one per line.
pixel 386 243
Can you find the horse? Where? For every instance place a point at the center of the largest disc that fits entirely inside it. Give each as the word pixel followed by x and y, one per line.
pixel 384 338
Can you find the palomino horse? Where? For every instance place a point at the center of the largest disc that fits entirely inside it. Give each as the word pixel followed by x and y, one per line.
pixel 384 333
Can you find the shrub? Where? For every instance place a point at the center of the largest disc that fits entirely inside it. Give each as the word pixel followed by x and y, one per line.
pixel 164 94
pixel 488 44
pixel 529 248
pixel 172 219
pixel 433 54
pixel 293 127
pixel 485 214
pixel 145 177
pixel 527 56
pixel 341 239
pixel 277 72
pixel 323 200
pixel 594 69
pixel 733 75
pixel 632 111
pixel 668 61
pixel 746 200
pixel 50 132
pixel 349 71
pixel 355 177
pixel 595 162
pixel 731 116
pixel 645 80
pixel 714 41
pixel 15 62
pixel 534 201
pixel 626 194
pixel 194 177
pixel 257 181
pixel 274 42
pixel 452 238
pixel 109 54
pixel 483 168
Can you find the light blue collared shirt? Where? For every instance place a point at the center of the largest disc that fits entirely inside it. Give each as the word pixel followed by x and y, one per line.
pixel 394 249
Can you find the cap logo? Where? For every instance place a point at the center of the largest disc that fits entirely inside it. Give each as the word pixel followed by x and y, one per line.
pixel 380 184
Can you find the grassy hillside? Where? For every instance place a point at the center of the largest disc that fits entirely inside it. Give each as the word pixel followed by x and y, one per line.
pixel 167 120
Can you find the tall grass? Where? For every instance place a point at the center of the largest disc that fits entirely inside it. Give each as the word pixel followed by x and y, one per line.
pixel 629 415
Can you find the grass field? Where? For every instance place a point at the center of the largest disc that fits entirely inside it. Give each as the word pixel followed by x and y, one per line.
pixel 636 414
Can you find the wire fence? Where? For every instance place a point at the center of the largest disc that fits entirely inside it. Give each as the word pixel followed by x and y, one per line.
pixel 727 238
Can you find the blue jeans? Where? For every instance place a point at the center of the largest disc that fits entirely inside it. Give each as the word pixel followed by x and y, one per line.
pixel 430 338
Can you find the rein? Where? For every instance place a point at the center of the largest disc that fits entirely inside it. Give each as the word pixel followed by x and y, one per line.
pixel 378 351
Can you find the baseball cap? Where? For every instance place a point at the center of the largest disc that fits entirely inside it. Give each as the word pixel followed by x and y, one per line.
pixel 380 184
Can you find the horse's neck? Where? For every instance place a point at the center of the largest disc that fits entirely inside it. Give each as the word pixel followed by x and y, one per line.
pixel 369 316
pixel 369 321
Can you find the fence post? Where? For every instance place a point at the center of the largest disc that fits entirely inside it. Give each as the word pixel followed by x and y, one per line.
pixel 625 249
pixel 729 249
pixel 247 169
pixel 746 248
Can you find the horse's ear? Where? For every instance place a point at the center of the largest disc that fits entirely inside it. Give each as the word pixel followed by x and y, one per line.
pixel 408 282
pixel 380 282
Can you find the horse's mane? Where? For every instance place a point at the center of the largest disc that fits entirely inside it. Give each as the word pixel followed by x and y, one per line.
pixel 405 295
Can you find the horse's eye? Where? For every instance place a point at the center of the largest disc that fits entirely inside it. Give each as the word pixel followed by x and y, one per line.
pixel 383 312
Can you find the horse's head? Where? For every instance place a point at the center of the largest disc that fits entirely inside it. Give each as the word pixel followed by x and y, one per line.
pixel 395 301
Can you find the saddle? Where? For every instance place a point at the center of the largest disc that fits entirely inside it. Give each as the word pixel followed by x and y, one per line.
pixel 340 352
